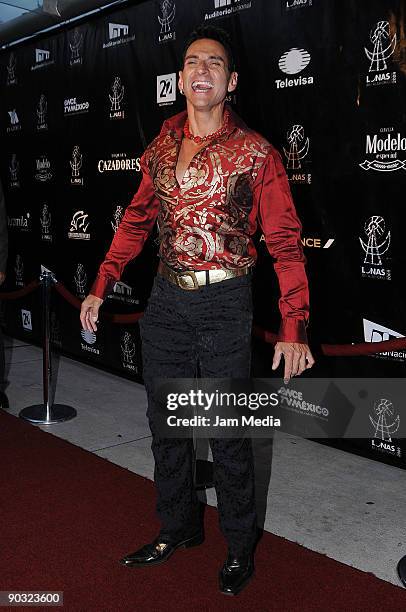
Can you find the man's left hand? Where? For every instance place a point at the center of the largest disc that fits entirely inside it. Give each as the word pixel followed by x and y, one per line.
pixel 2 277
pixel 298 358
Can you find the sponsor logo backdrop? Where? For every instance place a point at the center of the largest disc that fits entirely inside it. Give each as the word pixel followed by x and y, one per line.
pixel 322 80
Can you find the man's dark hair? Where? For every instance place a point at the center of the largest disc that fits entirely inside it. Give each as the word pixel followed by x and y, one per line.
pixel 221 36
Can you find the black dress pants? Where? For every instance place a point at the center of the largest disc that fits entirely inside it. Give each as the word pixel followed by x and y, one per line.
pixel 210 326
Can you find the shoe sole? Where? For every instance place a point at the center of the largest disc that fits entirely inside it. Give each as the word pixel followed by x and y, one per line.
pixel 240 588
pixel 196 541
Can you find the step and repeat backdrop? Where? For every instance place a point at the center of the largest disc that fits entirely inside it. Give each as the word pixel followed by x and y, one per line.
pixel 324 81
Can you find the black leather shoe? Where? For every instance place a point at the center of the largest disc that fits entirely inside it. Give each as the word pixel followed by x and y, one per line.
pixel 159 552
pixel 236 574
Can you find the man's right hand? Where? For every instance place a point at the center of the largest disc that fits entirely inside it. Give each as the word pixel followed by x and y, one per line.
pixel 89 313
pixel 2 277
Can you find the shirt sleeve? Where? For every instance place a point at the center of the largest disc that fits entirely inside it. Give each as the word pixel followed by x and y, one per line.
pixel 134 229
pixel 281 227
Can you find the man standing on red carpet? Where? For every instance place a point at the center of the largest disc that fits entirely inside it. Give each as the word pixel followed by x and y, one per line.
pixel 207 178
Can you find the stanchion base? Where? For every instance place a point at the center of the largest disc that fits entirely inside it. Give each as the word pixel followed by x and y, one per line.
pixel 38 413
pixel 402 570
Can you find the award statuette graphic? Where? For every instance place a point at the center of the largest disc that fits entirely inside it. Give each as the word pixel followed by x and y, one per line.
pixel 80 280
pixel 377 244
pixel 118 94
pixel 42 110
pixel 384 46
pixel 45 220
pixel 384 423
pixel 168 10
pixel 298 147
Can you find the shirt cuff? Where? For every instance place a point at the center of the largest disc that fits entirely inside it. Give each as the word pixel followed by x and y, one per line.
pixel 102 286
pixel 293 330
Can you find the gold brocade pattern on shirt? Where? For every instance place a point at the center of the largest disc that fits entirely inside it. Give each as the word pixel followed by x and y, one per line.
pixel 205 221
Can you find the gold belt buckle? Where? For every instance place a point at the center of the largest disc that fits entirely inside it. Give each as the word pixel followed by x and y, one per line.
pixel 192 276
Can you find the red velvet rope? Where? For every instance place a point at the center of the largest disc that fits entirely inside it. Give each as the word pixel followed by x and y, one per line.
pixel 114 318
pixel 332 350
pixel 14 295
pixel 343 350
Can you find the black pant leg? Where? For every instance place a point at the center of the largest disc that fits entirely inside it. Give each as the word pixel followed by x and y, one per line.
pixel 224 350
pixel 168 352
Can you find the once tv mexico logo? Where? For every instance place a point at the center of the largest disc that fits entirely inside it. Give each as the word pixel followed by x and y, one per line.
pixel 166 88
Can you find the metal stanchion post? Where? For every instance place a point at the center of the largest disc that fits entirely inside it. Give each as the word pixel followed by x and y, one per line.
pixel 48 412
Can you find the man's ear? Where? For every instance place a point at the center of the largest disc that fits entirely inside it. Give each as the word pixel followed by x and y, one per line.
pixel 232 83
pixel 180 80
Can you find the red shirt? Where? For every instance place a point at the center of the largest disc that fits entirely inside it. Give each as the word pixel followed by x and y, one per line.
pixel 208 221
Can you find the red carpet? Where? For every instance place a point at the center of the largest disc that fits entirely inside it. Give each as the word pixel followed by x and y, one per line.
pixel 67 516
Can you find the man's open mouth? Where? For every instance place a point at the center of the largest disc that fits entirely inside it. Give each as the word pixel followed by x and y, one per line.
pixel 202 86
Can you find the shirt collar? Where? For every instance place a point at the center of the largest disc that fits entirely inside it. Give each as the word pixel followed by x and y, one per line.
pixel 174 125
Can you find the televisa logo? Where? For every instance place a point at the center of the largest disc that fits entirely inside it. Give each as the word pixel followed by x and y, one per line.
pixel 293 62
